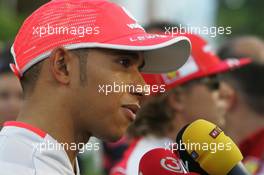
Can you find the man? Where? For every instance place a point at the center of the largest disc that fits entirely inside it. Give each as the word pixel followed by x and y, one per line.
pixel 242 91
pixel 192 94
pixel 10 89
pixel 66 54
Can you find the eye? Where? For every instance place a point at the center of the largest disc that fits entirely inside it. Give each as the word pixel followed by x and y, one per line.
pixel 125 62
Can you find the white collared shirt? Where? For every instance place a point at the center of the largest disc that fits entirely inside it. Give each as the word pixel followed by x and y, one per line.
pixel 20 152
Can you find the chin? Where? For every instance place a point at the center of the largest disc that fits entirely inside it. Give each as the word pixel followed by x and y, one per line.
pixel 114 139
pixel 113 136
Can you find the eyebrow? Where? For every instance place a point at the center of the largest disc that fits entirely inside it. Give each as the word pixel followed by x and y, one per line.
pixel 134 55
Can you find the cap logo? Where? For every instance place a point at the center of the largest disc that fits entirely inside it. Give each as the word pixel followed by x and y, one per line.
pixel 232 62
pixel 135 26
pixel 171 164
pixel 173 75
pixel 146 37
pixel 188 68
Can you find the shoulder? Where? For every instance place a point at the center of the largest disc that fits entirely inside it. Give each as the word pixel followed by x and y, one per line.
pixel 13 169
pixel 19 153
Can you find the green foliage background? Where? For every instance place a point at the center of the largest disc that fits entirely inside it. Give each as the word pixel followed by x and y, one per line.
pixel 247 19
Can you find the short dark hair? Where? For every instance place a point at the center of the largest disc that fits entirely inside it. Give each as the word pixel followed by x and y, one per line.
pixel 31 76
pixel 248 80
pixel 82 54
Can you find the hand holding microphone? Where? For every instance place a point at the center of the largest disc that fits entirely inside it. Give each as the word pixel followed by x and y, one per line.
pixel 224 161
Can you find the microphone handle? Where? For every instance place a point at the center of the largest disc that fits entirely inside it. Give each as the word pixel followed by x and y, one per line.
pixel 239 169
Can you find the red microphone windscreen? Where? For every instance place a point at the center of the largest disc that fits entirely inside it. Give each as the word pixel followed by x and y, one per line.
pixel 160 161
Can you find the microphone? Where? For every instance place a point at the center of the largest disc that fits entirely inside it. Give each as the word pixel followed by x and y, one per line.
pixel 208 150
pixel 161 161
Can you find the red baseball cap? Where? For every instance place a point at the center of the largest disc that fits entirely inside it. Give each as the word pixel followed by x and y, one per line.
pixel 76 24
pixel 201 63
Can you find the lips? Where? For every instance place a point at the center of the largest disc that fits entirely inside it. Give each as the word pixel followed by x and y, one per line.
pixel 130 110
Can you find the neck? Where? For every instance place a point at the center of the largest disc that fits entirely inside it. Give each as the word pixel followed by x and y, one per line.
pixel 177 124
pixel 53 116
pixel 242 122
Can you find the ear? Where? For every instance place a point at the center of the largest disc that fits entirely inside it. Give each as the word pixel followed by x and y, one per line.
pixel 176 102
pixel 227 96
pixel 60 65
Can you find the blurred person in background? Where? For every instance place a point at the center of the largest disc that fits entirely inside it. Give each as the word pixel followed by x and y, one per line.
pixel 112 153
pixel 192 94
pixel 10 89
pixel 243 91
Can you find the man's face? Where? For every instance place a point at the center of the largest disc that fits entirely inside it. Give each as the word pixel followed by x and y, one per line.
pixel 201 100
pixel 10 97
pixel 107 116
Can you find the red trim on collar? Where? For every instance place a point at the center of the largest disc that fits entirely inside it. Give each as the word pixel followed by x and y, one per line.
pixel 37 131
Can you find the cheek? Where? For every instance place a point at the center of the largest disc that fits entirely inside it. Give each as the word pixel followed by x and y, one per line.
pixel 200 103
pixel 209 109
pixel 99 105
pixel 108 122
pixel 105 119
